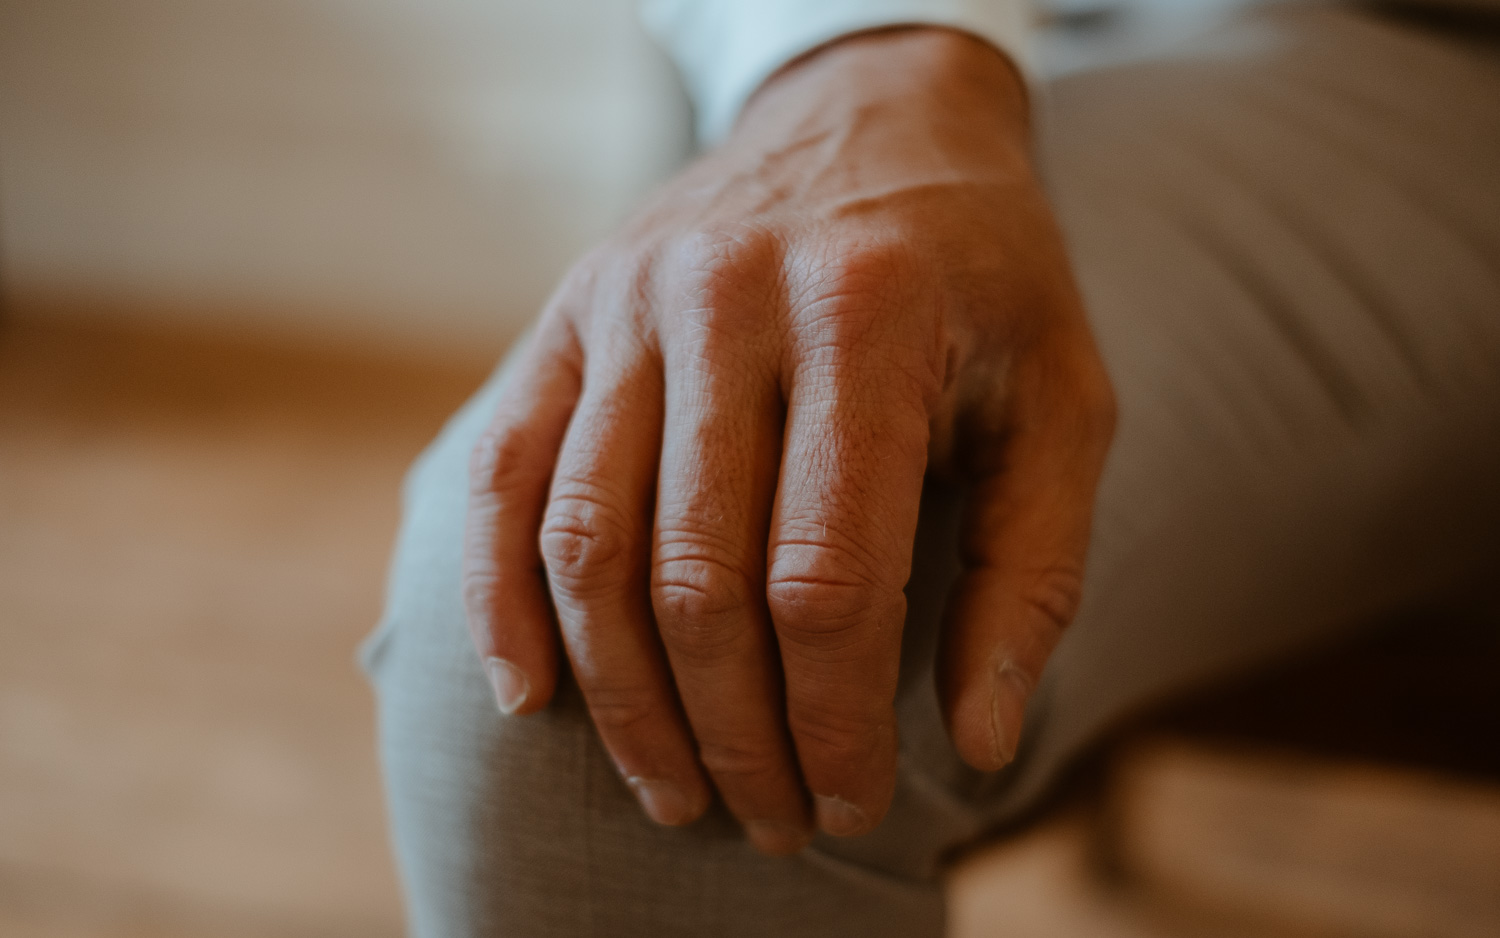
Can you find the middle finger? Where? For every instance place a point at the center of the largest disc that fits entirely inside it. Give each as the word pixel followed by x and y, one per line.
pixel 720 454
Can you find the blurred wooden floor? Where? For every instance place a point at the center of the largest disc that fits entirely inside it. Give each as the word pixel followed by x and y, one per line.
pixel 193 534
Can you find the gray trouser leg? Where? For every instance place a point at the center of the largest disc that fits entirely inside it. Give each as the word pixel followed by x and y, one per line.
pixel 1289 241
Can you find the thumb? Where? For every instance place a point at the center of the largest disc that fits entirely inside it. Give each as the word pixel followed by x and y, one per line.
pixel 1023 546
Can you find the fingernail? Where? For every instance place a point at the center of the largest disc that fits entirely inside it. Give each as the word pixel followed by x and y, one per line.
pixel 1007 709
pixel 776 838
pixel 839 817
pixel 663 801
pixel 509 683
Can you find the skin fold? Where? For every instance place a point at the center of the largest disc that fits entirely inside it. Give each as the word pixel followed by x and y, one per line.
pixel 703 476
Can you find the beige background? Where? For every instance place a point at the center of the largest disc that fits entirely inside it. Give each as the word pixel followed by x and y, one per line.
pixel 411 169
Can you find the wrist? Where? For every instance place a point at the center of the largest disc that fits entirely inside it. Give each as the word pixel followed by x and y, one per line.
pixel 950 80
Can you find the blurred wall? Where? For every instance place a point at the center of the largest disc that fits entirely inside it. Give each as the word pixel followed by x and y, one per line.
pixel 409 170
pixel 404 171
pixel 1079 35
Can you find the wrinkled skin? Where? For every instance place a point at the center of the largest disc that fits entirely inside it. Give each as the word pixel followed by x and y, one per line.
pixel 705 470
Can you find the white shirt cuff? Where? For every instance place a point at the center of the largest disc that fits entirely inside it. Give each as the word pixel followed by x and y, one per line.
pixel 726 48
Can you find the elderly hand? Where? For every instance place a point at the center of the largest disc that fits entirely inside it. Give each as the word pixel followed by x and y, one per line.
pixel 706 465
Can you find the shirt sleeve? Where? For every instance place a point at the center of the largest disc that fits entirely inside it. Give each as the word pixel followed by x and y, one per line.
pixel 726 48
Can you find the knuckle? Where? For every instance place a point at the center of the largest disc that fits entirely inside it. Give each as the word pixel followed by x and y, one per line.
pixel 869 267
pixel 699 643
pixel 1054 593
pixel 831 618
pixel 620 712
pixel 478 589
pixel 832 736
pixel 724 255
pixel 696 589
pixel 852 283
pixel 738 761
pixel 857 315
pixel 822 594
pixel 584 542
pixel 730 276
pixel 818 605
pixel 503 459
